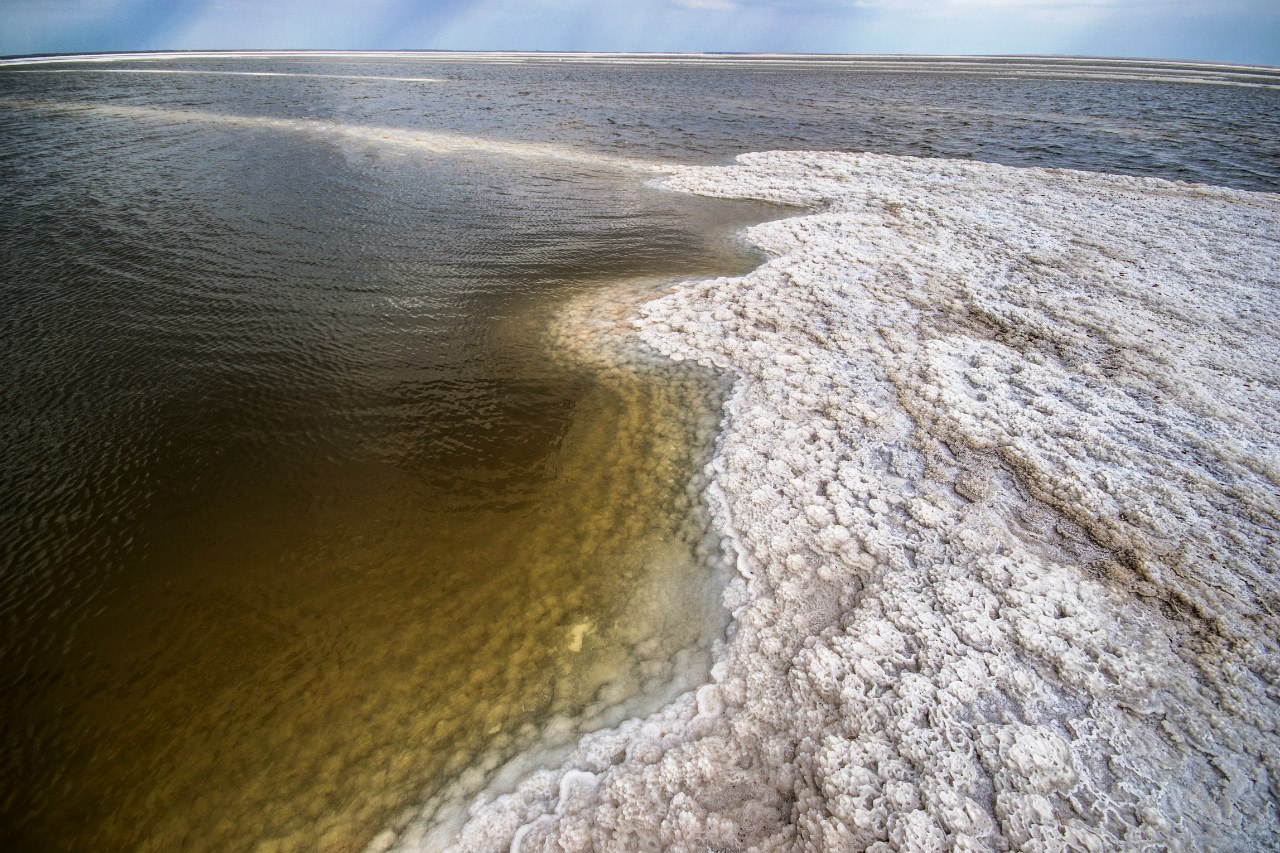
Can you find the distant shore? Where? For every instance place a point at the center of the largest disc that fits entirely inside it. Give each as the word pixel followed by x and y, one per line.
pixel 1079 67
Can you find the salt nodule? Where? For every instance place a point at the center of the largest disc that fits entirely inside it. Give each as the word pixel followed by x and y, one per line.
pixel 1000 475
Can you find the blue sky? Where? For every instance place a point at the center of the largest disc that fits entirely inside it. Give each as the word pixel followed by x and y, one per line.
pixel 1227 30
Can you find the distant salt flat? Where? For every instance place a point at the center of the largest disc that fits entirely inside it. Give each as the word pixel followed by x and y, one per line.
pixel 1095 68
pixel 1000 470
pixel 199 54
pixel 200 73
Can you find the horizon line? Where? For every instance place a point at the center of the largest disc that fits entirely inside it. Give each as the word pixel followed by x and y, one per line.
pixel 90 56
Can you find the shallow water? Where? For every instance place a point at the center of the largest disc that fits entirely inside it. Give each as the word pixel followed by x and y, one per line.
pixel 301 487
pixel 308 501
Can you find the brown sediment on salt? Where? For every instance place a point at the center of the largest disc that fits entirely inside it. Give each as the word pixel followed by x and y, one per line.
pixel 1000 475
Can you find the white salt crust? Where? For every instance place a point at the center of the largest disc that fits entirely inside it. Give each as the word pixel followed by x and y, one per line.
pixel 1000 471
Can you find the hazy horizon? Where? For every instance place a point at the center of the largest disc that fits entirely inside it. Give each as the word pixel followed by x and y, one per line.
pixel 1235 31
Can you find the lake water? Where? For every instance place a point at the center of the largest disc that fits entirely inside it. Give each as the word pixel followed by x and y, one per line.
pixel 319 489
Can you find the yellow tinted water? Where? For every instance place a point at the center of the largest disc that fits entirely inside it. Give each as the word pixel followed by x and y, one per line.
pixel 329 669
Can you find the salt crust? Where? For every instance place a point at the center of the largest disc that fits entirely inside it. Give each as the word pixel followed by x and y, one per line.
pixel 1000 471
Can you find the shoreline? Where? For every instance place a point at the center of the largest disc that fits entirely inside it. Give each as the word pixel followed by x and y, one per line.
pixel 1187 71
pixel 1004 510
pixel 660 667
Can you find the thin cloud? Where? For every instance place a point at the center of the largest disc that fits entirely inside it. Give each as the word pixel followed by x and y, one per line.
pixel 712 5
pixel 970 5
pixel 1233 30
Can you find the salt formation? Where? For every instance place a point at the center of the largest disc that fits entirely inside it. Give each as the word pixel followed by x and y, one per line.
pixel 1000 475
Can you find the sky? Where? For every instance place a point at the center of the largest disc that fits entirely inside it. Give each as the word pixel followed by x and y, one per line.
pixel 1215 30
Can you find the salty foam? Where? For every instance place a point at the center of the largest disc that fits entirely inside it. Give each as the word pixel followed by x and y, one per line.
pixel 1000 477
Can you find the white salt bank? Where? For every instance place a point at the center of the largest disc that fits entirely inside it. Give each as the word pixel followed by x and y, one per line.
pixel 1000 473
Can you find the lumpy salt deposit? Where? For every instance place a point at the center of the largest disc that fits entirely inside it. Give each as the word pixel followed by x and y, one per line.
pixel 1000 473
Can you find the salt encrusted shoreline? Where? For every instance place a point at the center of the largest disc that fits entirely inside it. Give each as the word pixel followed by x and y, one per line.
pixel 1001 472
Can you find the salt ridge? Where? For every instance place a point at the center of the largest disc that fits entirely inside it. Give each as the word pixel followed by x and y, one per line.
pixel 1000 472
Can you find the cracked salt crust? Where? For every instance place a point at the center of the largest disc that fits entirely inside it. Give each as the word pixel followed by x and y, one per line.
pixel 1000 471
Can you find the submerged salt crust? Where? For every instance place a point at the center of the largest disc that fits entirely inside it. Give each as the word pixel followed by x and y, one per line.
pixel 1000 475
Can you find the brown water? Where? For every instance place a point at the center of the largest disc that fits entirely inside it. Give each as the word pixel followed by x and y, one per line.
pixel 319 493
pixel 312 500
pixel 288 668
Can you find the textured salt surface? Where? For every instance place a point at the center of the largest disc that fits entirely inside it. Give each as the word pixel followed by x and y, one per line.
pixel 1000 469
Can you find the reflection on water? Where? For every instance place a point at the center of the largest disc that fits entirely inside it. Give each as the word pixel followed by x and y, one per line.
pixel 318 491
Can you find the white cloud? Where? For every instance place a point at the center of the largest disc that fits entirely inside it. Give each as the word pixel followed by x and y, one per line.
pixel 943 6
pixel 713 5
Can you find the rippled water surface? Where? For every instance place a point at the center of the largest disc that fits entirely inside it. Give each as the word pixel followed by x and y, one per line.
pixel 318 490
